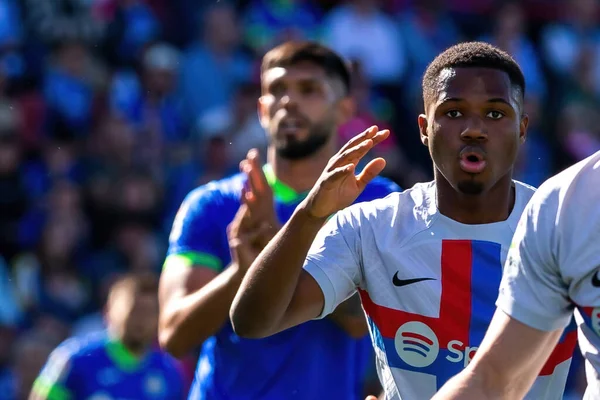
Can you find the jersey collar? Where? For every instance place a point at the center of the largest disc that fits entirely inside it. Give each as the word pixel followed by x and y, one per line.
pixel 282 192
pixel 123 358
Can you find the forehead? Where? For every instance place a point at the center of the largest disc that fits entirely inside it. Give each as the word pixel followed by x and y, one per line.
pixel 305 70
pixel 474 83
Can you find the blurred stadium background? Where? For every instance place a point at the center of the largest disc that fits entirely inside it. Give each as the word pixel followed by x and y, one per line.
pixel 112 110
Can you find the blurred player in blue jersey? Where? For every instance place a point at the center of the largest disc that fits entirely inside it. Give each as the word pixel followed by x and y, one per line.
pixel 121 364
pixel 305 97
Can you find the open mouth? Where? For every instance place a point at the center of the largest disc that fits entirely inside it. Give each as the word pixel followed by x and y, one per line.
pixel 472 162
pixel 291 124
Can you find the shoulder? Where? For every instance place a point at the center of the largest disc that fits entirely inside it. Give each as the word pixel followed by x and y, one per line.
pixel 72 350
pixel 402 211
pixel 577 186
pixel 216 192
pixel 202 201
pixel 524 192
pixel 91 344
pixel 579 182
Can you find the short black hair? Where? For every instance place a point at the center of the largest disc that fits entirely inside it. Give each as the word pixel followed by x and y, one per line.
pixel 294 52
pixel 471 54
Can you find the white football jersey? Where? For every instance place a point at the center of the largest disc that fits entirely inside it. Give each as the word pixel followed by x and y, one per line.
pixel 428 286
pixel 553 266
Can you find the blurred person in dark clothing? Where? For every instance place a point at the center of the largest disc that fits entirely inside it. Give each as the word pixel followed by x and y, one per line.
pixel 132 24
pixel 28 355
pixel 72 80
pixel 16 196
pixel 62 20
pixel 7 379
pixel 214 65
pixel 123 363
pixel 57 286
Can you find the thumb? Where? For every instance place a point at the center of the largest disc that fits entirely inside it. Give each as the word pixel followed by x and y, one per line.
pixel 373 168
pixel 371 398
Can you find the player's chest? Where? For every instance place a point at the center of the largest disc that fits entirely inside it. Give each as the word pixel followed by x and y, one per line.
pixel 110 383
pixel 438 296
pixel 435 276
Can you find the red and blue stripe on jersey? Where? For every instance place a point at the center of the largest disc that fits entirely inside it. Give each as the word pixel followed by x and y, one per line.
pixel 471 271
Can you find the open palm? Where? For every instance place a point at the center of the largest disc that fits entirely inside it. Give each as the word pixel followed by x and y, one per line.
pixel 338 186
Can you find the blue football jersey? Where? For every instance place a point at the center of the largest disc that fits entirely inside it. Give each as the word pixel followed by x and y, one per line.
pixel 99 368
pixel 314 360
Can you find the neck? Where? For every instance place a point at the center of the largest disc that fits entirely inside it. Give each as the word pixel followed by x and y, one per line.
pixel 138 349
pixel 495 205
pixel 134 347
pixel 301 175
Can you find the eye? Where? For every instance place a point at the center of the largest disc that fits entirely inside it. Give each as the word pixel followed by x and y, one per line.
pixel 277 89
pixel 495 114
pixel 454 114
pixel 309 89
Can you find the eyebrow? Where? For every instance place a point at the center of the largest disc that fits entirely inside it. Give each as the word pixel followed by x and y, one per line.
pixel 304 80
pixel 492 100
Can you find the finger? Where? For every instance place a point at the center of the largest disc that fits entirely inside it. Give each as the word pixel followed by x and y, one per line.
pixel 242 220
pixel 257 176
pixel 234 226
pixel 380 136
pixel 339 174
pixel 243 164
pixel 370 171
pixel 359 138
pixel 253 183
pixel 353 154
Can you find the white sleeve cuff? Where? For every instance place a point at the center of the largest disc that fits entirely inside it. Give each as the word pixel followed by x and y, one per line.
pixel 543 323
pixel 326 287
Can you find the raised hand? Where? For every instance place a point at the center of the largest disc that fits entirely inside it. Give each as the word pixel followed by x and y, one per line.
pixel 258 196
pixel 338 186
pixel 245 238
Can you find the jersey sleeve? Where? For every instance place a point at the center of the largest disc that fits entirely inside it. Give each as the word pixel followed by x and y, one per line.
pixel 195 234
pixel 533 290
pixel 58 378
pixel 334 260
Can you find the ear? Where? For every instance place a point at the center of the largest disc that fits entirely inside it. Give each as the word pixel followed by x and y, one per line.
pixel 423 125
pixel 523 128
pixel 262 108
pixel 346 109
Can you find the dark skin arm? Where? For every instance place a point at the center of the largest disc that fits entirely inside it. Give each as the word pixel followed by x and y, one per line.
pixel 258 196
pixel 350 317
pixel 277 293
pixel 195 301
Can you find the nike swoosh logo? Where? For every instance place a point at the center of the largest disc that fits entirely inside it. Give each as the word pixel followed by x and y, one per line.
pixel 595 280
pixel 403 282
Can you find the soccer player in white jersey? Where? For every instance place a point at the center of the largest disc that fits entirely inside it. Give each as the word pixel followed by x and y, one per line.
pixel 427 262
pixel 553 270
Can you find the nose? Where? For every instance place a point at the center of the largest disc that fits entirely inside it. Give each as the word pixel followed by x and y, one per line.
pixel 288 101
pixel 475 131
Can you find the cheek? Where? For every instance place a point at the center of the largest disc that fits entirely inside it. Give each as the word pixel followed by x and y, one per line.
pixel 439 142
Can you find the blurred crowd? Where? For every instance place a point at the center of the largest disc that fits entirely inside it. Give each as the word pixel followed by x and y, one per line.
pixel 111 111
